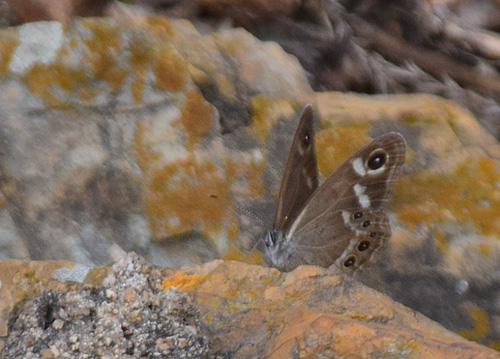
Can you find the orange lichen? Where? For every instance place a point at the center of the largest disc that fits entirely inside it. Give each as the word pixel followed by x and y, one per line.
pixel 234 254
pixel 183 281
pixel 143 156
pixel 160 25
pixel 171 71
pixel 103 47
pixel 469 194
pixel 256 182
pixel 252 171
pixel 485 249
pixel 440 239
pixel 9 43
pixel 333 147
pixel 197 118
pixel 481 325
pixel 140 60
pixel 207 318
pixel 232 169
pixel 233 230
pixel 266 112
pixel 97 275
pixel 42 78
pixel 187 194
pixel 261 119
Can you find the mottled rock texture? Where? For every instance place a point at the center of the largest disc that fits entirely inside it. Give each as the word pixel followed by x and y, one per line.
pixel 150 136
pixel 129 316
pixel 107 139
pixel 244 311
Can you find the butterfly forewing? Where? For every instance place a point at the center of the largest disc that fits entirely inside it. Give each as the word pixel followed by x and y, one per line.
pixel 300 178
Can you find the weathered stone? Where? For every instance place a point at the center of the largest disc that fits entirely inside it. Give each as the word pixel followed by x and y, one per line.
pixel 150 136
pixel 96 326
pixel 245 311
pixel 103 124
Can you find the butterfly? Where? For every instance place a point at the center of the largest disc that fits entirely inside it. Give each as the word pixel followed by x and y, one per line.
pixel 344 221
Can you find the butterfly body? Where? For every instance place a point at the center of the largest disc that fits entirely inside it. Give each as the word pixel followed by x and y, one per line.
pixel 344 221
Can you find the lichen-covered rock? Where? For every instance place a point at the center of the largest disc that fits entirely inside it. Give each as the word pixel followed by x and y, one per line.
pixel 108 141
pixel 153 137
pixel 236 309
pixel 130 316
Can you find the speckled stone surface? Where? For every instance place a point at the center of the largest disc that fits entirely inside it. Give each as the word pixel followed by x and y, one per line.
pixel 222 309
pixel 130 316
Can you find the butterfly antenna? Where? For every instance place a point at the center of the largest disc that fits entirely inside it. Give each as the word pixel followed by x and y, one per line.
pixel 250 213
pixel 256 218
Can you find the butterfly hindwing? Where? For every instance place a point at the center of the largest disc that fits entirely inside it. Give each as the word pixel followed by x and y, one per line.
pixel 346 215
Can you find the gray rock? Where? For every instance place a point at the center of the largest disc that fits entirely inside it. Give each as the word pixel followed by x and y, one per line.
pixel 129 317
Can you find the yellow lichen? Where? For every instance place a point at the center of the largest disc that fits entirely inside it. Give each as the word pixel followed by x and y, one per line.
pixel 197 118
pixel 183 281
pixel 233 231
pixel 234 254
pixel 104 45
pixel 440 239
pixel 143 156
pixel 481 324
pixel 469 194
pixel 141 54
pixel 266 112
pixel 256 183
pixel 42 78
pixel 97 275
pixel 207 318
pixel 160 25
pixel 333 147
pixel 261 121
pixel 485 249
pixel 9 43
pixel 197 198
pixel 225 86
pixel 171 71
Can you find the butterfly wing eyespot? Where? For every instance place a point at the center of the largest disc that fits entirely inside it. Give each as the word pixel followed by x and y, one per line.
pixel 363 246
pixel 357 215
pixel 306 140
pixel 366 223
pixel 350 262
pixel 376 160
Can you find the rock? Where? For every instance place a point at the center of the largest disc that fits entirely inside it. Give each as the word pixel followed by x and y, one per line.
pixel 99 119
pixel 244 311
pixel 443 255
pixel 150 136
pixel 84 321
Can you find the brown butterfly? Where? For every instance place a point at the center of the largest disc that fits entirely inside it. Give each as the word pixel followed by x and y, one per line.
pixel 344 221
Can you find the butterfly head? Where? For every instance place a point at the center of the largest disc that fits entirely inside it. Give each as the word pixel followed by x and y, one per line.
pixel 275 248
pixel 273 240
